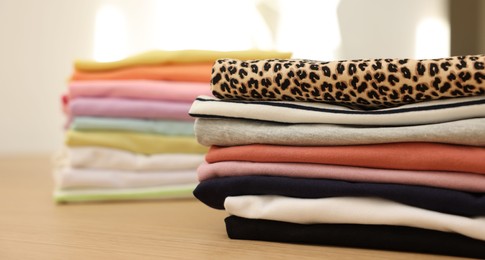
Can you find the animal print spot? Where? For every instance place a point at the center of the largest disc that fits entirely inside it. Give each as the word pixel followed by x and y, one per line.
pixel 380 77
pixel 445 87
pixel 328 97
pixel 225 87
pixel 252 83
pixel 433 69
pixel 464 76
pixel 461 65
pixel 242 73
pixel 216 78
pixel 392 67
pixel 301 74
pixel 285 85
pixel 326 71
pixel 314 77
pixel 362 87
pixel 392 79
pixel 340 85
pixel 352 69
pixel 436 83
pixel 377 65
pixel 445 65
pixel 406 89
pixel 362 66
pixel 421 87
pixel 326 87
pixel 340 68
pixel 478 77
pixel 420 68
pixel 383 90
pixel 267 66
pixel 405 72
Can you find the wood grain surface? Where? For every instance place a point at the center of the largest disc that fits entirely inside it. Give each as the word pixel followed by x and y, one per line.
pixel 33 227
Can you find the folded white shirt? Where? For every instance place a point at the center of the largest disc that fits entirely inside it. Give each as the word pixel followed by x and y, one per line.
pixel 115 159
pixel 351 210
pixel 436 111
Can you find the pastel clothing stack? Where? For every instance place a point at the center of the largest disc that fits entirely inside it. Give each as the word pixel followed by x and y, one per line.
pixel 128 132
pixel 379 153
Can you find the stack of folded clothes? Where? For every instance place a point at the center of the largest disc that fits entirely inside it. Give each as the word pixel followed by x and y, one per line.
pixel 129 135
pixel 382 153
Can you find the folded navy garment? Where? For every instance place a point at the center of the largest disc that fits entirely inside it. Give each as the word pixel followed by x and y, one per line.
pixel 214 191
pixel 394 238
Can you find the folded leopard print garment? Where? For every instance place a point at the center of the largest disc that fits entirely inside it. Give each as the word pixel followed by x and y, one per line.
pixel 359 84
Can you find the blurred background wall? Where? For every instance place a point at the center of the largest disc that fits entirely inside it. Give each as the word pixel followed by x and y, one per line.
pixel 40 39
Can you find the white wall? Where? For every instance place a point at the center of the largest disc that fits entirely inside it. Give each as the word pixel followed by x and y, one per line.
pixel 40 39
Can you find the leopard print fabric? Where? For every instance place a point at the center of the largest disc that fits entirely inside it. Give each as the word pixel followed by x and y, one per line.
pixel 360 84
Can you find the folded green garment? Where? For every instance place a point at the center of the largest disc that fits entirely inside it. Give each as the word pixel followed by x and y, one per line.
pixel 165 127
pixel 135 142
pixel 87 195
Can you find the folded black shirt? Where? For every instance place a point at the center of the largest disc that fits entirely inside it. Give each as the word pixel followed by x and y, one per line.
pixel 393 238
pixel 214 191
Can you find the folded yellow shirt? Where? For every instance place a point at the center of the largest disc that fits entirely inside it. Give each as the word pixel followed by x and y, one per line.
pixel 135 142
pixel 158 57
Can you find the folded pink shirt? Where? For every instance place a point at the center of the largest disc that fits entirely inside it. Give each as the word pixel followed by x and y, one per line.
pixel 469 182
pixel 139 89
pixel 404 156
pixel 130 108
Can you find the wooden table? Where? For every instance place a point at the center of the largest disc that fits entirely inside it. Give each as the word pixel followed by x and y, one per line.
pixel 33 227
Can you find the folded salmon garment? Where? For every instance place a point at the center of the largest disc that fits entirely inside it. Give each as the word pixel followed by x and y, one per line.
pixel 360 84
pixel 190 72
pixel 139 89
pixel 405 156
pixel 157 57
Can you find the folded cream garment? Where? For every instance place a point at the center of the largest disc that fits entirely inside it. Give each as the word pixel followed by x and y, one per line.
pixel 164 127
pixel 230 132
pixel 469 182
pixel 437 111
pixel 139 89
pixel 150 193
pixel 71 178
pixel 351 210
pixel 135 142
pixel 158 57
pixel 115 159
pixel 131 108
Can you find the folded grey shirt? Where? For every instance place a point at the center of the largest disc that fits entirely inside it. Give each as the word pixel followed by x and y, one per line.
pixel 230 132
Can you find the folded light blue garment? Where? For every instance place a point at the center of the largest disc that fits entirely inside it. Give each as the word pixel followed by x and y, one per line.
pixel 165 127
